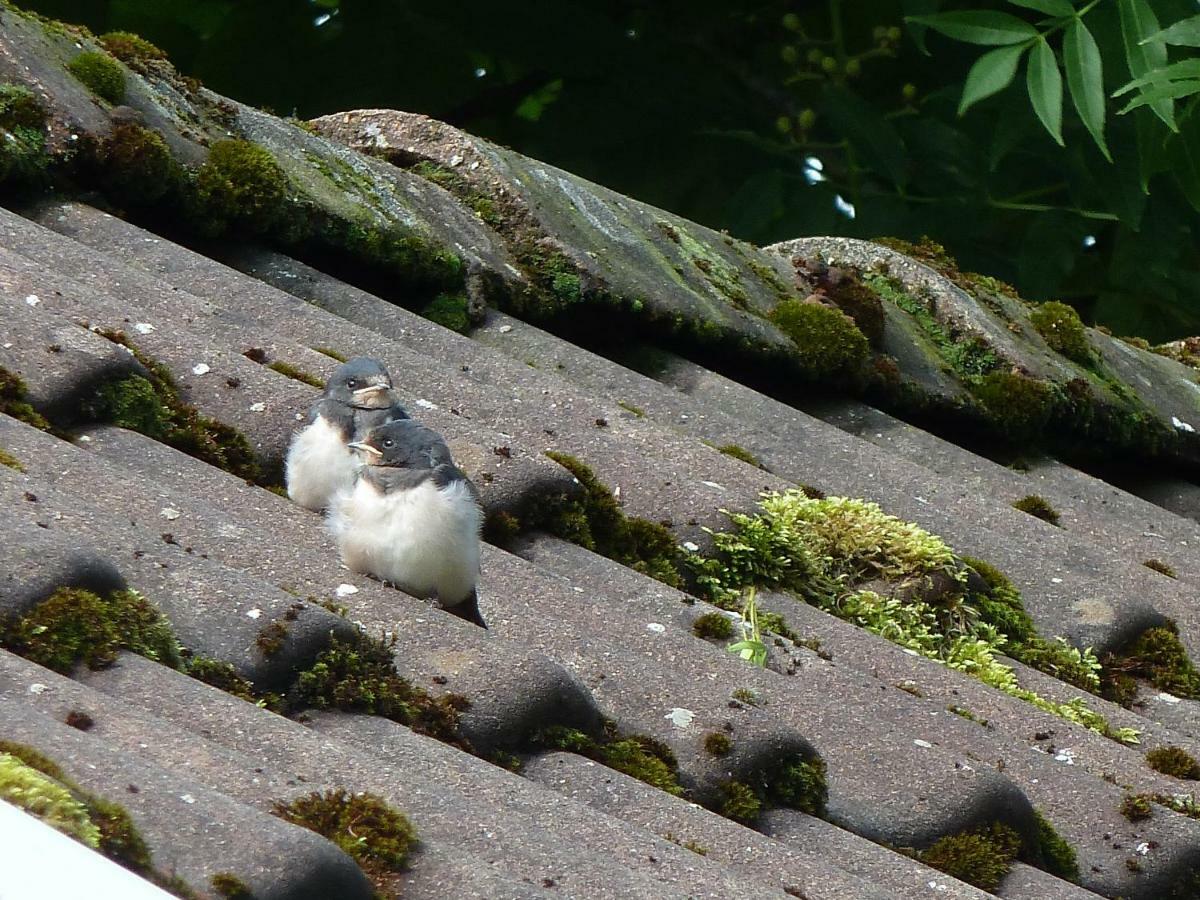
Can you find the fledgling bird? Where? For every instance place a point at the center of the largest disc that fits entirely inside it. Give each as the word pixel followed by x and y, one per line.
pixel 412 518
pixel 357 397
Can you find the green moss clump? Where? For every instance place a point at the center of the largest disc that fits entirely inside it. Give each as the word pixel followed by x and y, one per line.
pixel 856 300
pixel 1136 807
pixel 43 797
pixel 981 857
pixel 739 803
pixel 638 756
pixel 23 157
pixel 1159 566
pixel 136 166
pixel 75 626
pixel 376 835
pixel 130 48
pixel 800 784
pixel 449 311
pixel 296 374
pixel 360 675
pixel 1063 330
pixel 7 459
pixel 152 406
pixel 13 402
pixel 100 74
pixel 229 886
pixel 740 453
pixel 1016 404
pixel 332 354
pixel 1156 655
pixel 718 743
pixel 501 527
pixel 829 343
pixel 1174 761
pixel 1058 857
pixel 241 185
pixel 713 625
pixel 1038 507
pixel 599 524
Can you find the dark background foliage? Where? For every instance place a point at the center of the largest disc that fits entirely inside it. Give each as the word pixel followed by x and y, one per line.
pixel 723 112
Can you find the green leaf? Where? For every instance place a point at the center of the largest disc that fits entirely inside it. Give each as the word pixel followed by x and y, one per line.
pixel 1138 22
pixel 979 27
pixel 1185 33
pixel 992 73
pixel 1183 151
pixel 868 131
pixel 1044 82
pixel 1085 79
pixel 1185 68
pixel 1172 90
pixel 1049 7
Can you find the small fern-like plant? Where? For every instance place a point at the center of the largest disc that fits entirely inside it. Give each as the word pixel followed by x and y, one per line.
pixel 751 647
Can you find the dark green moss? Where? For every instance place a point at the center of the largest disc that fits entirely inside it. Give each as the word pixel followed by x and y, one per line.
pixel 152 406
pixel 483 205
pixel 1001 606
pixel 1174 761
pixel 228 885
pixel 1038 507
pixel 449 311
pixel 360 675
pixel 847 292
pixel 1063 330
pixel 829 344
pixel 23 157
pixel 598 523
pixel 1057 856
pixel 13 402
pixel 224 677
pixel 7 459
pixel 136 166
pixel 1157 656
pixel 130 48
pixel 1136 807
pixel 500 527
pixel 241 185
pixel 271 638
pixel 296 374
pixel 718 743
pixel 638 756
pixel 713 625
pixel 376 835
pixel 739 803
pixel 1016 404
pixel 740 453
pixel 75 626
pixel 417 260
pixel 1159 566
pixel 800 784
pixel 332 354
pixel 980 857
pixel 100 74
pixel 745 695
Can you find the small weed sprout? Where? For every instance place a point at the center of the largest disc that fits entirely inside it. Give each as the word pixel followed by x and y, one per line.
pixel 751 647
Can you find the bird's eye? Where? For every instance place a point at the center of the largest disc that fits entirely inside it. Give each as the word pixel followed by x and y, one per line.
pixel 352 383
pixel 388 442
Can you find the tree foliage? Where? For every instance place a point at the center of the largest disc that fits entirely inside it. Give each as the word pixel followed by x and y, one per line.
pixel 1052 143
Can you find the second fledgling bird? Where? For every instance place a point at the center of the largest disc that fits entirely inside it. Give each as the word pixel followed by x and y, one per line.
pixel 357 397
pixel 412 518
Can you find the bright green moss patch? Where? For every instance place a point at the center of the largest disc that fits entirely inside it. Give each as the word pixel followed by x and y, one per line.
pixel 598 523
pixel 1038 507
pixel 131 49
pixel 296 374
pixel 829 344
pixel 449 311
pixel 43 797
pixel 75 626
pixel 1173 761
pixel 100 74
pixel 1063 330
pixel 23 157
pixel 1157 656
pixel 360 675
pixel 229 886
pixel 981 857
pixel 151 405
pixel 740 453
pixel 7 459
pixel 1159 566
pixel 376 835
pixel 241 185
pixel 713 625
pixel 637 756
pixel 13 402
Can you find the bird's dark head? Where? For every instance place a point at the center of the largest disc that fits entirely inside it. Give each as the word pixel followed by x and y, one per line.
pixel 362 382
pixel 403 444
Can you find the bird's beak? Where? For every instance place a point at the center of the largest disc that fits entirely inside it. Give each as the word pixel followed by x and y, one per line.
pixel 365 448
pixel 374 396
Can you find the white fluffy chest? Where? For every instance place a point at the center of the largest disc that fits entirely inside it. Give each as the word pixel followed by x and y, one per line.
pixel 319 465
pixel 424 540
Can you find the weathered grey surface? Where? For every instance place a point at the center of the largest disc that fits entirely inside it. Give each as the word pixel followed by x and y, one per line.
pixel 41 562
pixel 1027 883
